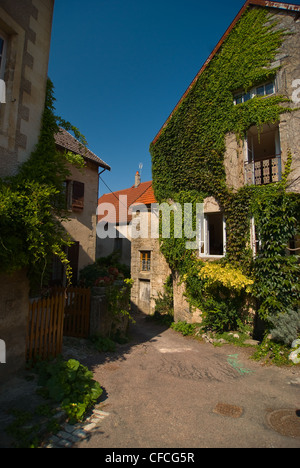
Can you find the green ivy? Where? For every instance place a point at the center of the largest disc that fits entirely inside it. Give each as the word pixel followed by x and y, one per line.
pixel 188 157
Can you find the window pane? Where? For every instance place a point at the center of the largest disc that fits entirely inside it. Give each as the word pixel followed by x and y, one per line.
pixel 269 88
pixel 239 99
pixel 247 96
pixel 145 261
pixel 1 49
pixel 260 91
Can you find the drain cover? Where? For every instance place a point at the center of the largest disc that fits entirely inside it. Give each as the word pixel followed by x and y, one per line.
pixel 228 410
pixel 285 421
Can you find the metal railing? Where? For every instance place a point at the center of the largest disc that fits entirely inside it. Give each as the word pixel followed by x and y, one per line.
pixel 264 171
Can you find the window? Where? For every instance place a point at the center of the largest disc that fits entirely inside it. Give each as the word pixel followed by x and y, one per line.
pixel 212 235
pixel 145 261
pixel 262 90
pixel 74 195
pixel 2 69
pixel 263 155
pixel 2 55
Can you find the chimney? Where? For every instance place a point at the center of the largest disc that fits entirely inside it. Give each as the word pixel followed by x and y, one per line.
pixel 137 179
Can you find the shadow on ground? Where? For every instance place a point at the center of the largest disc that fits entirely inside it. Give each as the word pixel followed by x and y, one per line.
pixel 19 393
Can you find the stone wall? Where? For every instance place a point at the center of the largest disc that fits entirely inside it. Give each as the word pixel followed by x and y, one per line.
pixel 26 26
pixel 183 311
pixel 14 302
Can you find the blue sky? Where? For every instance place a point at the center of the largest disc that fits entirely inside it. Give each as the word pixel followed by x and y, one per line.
pixel 119 67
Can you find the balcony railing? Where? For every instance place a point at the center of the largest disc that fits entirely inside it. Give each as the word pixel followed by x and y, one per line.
pixel 264 171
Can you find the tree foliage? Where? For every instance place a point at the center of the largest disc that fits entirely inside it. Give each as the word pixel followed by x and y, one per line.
pixel 32 203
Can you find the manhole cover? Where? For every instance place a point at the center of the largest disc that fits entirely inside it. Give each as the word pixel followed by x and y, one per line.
pixel 285 421
pixel 228 410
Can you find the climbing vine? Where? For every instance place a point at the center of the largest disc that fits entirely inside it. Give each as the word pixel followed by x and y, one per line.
pixel 188 156
pixel 32 203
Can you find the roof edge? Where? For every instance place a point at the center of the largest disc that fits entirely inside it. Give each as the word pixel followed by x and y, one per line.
pixel 262 3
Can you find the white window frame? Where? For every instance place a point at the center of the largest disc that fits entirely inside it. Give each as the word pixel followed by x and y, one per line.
pixel 253 92
pixel 204 237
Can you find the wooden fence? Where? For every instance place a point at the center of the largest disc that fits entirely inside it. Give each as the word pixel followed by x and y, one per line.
pixel 65 312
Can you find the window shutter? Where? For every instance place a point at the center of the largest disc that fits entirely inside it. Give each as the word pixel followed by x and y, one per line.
pixel 73 257
pixel 78 195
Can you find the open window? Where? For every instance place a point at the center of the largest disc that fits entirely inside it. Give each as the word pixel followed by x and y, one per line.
pixel 3 45
pixel 263 155
pixel 212 235
pixel 74 195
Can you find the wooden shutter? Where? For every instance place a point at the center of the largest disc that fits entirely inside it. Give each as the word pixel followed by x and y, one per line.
pixel 73 257
pixel 78 195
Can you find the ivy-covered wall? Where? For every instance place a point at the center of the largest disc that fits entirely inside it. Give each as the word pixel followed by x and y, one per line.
pixel 188 166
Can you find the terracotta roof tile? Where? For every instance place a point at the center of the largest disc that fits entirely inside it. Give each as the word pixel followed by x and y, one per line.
pixel 147 198
pixel 133 194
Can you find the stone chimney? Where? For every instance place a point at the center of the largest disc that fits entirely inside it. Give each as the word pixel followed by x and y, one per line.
pixel 137 179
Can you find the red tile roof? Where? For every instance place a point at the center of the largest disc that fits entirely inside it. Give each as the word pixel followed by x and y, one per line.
pixel 133 194
pixel 66 141
pixel 262 3
pixel 147 198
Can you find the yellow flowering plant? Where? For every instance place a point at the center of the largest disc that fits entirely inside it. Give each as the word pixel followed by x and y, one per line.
pixel 226 275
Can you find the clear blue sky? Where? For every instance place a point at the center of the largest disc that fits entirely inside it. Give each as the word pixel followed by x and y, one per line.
pixel 119 67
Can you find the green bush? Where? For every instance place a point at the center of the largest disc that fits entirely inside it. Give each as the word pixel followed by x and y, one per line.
pixel 184 328
pixel 70 384
pixel 104 271
pixel 221 315
pixel 164 301
pixel 103 344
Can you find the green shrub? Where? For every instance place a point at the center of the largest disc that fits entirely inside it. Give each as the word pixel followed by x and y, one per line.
pixel 104 271
pixel 103 344
pixel 164 301
pixel 184 328
pixel 70 384
pixel 223 315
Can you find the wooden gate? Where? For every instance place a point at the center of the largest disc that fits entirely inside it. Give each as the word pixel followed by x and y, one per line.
pixel 65 312
pixel 45 327
pixel 77 312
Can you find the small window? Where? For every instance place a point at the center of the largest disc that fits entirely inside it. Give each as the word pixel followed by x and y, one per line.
pixel 262 90
pixel 145 261
pixel 78 195
pixel 74 195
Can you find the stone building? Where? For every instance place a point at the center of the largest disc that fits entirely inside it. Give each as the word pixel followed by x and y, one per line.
pixel 261 157
pixel 114 220
pixel 131 229
pixel 149 269
pixel 82 199
pixel 25 34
